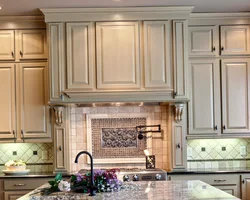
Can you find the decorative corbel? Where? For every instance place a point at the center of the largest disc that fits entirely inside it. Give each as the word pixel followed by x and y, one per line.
pixel 59 115
pixel 178 112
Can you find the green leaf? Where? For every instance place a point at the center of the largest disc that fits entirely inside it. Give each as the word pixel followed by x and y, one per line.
pixel 51 183
pixel 58 177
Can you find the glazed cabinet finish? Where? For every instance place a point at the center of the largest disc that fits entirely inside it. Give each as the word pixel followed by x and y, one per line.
pixel 7 41
pixel 117 48
pixel 32 44
pixel 204 105
pixel 81 56
pixel 14 195
pixel 235 95
pixel 157 54
pixel 245 187
pixel 202 41
pixel 235 40
pixel 34 114
pixel 7 101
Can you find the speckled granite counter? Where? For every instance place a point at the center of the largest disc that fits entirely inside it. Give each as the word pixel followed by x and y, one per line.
pixel 33 175
pixel 213 171
pixel 162 190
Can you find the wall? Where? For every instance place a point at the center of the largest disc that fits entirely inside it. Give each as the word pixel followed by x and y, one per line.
pixel 25 152
pixel 78 134
pixel 218 153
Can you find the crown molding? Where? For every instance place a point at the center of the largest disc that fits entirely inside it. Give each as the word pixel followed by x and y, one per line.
pixel 115 14
pixel 22 18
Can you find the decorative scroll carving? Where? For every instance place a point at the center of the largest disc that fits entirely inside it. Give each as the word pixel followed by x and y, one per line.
pixel 59 115
pixel 178 112
pixel 119 137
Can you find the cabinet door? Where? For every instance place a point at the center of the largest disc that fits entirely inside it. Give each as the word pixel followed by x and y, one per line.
pixel 32 99
pixel 202 41
pixel 180 58
pixel 7 45
pixel 204 105
pixel 245 187
pixel 230 189
pixel 7 101
pixel 157 54
pixel 235 95
pixel 118 66
pixel 32 44
pixel 14 195
pixel 235 40
pixel 80 56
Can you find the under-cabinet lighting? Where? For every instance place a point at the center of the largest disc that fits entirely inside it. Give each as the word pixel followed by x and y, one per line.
pixel 0 8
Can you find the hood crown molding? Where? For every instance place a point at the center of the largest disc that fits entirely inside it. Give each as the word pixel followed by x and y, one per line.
pixel 111 14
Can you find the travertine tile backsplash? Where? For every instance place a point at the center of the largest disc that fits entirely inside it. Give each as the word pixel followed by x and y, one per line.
pixel 30 153
pixel 78 133
pixel 218 153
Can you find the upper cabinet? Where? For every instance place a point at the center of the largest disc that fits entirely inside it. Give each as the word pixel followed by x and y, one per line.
pixel 204 40
pixel 118 61
pixel 7 41
pixel 131 56
pixel 235 40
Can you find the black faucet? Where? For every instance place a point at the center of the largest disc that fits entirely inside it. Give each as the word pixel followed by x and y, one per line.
pixel 92 186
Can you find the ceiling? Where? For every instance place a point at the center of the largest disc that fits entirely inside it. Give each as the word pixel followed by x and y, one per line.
pixel 31 7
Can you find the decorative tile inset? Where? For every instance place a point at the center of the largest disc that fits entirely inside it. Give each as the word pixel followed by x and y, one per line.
pixel 119 137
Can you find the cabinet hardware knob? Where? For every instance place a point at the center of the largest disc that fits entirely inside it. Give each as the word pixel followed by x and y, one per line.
pixel 224 127
pixel 175 94
pixel 220 180
pixel 215 127
pixel 20 184
pixel 61 96
pixel 178 146
pixel 60 148
pixel 243 181
pixel 22 135
pixel 12 53
pixel 222 48
pixel 214 48
pixel 21 53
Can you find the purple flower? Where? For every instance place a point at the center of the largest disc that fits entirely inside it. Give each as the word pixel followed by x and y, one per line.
pixel 79 178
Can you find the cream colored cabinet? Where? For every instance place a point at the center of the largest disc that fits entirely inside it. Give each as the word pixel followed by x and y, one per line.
pixel 202 41
pixel 32 97
pixel 7 101
pixel 245 187
pixel 32 44
pixel 204 105
pixel 235 40
pixel 157 54
pixel 7 41
pixel 81 56
pixel 118 61
pixel 14 195
pixel 235 95
pixel 24 114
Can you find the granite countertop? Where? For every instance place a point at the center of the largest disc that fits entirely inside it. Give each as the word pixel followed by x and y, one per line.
pixel 212 171
pixel 33 175
pixel 157 190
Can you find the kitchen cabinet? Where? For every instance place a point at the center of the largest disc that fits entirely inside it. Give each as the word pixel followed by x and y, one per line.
pixel 117 51
pixel 7 42
pixel 204 105
pixel 245 187
pixel 13 195
pixel 24 113
pixel 81 56
pixel 157 59
pixel 229 184
pixel 235 40
pixel 203 40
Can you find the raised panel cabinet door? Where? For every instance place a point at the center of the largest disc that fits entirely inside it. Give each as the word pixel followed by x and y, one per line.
pixel 7 101
pixel 245 187
pixel 118 65
pixel 202 41
pixel 56 60
pixel 80 56
pixel 32 44
pixel 157 54
pixel 7 41
pixel 230 189
pixel 235 95
pixel 32 98
pixel 204 105
pixel 235 40
pixel 180 58
pixel 14 195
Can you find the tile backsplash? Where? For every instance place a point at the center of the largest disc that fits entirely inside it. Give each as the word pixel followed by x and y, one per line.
pixel 37 156
pixel 218 153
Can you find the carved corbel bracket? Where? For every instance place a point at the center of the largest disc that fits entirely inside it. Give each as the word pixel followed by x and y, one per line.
pixel 178 112
pixel 59 115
